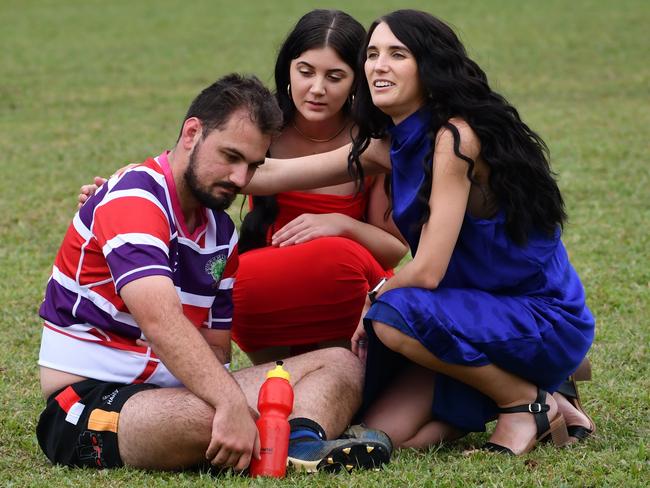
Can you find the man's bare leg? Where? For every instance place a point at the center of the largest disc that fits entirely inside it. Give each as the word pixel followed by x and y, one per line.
pixel 165 428
pixel 170 428
pixel 327 386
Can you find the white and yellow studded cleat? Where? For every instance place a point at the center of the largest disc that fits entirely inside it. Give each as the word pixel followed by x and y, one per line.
pixel 358 448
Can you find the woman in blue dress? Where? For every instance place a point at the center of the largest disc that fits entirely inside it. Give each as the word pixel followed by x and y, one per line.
pixel 489 315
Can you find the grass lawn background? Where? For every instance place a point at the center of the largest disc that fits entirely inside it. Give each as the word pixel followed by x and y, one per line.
pixel 86 86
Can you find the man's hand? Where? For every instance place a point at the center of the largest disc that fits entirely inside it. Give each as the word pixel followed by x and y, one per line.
pixel 234 437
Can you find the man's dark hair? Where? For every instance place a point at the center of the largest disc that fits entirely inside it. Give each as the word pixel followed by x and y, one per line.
pixel 216 103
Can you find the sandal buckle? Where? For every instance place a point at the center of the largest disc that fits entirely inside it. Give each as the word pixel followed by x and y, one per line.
pixel 535 408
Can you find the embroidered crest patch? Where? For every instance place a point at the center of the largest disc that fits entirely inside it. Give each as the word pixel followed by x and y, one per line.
pixel 215 266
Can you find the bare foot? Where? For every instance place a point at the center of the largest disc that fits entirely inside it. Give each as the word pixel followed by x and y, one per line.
pixel 517 431
pixel 572 415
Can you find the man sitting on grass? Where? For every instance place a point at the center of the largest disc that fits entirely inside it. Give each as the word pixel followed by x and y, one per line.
pixel 138 309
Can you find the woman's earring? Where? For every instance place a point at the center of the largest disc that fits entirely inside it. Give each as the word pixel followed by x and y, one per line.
pixel 289 89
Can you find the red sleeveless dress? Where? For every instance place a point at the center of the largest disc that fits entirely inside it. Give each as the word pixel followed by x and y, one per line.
pixel 305 293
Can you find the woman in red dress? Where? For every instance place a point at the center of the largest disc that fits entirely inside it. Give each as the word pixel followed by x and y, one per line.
pixel 308 258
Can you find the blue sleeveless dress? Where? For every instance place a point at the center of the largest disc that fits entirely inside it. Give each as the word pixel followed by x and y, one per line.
pixel 520 308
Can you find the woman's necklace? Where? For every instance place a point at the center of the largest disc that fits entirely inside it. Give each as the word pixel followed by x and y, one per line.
pixel 312 139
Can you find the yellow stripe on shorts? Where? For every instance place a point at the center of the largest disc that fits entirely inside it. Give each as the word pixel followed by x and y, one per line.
pixel 101 420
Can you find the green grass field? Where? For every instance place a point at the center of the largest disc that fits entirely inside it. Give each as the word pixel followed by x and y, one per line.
pixel 86 86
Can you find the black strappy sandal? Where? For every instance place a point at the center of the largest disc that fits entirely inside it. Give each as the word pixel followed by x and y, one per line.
pixel 555 428
pixel 569 389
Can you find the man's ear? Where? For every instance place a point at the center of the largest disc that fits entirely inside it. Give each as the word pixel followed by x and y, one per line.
pixel 191 133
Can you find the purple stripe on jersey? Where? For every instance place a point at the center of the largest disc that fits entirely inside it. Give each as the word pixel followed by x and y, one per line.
pixel 222 308
pixel 128 181
pixel 141 180
pixel 195 272
pixel 221 325
pixel 86 212
pixel 143 273
pixel 225 226
pixel 58 305
pixel 131 256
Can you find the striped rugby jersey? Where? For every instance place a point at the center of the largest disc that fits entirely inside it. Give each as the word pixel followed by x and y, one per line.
pixel 131 228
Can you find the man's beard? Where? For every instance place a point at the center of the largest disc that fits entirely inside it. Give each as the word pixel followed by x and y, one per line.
pixel 201 193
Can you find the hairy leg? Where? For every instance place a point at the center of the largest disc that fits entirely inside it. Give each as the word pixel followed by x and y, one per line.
pixel 327 386
pixel 165 428
pixel 512 430
pixel 170 428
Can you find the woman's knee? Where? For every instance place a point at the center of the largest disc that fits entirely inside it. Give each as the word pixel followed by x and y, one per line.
pixel 390 336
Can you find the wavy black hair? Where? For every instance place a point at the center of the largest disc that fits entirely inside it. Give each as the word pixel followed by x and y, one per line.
pixel 316 29
pixel 520 179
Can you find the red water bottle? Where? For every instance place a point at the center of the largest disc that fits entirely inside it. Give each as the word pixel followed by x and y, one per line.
pixel 274 403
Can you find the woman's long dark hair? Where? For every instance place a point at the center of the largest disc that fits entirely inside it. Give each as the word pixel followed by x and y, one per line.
pixel 520 176
pixel 316 29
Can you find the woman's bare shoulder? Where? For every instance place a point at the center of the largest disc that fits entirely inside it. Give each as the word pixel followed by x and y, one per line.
pixel 470 144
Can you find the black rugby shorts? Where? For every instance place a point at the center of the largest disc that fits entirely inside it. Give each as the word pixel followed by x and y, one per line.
pixel 79 424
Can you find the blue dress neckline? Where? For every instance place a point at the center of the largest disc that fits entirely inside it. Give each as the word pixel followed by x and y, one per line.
pixel 411 127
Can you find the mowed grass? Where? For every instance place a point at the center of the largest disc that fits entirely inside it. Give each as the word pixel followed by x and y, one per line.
pixel 86 86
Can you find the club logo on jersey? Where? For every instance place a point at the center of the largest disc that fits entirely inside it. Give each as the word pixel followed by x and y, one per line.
pixel 215 266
